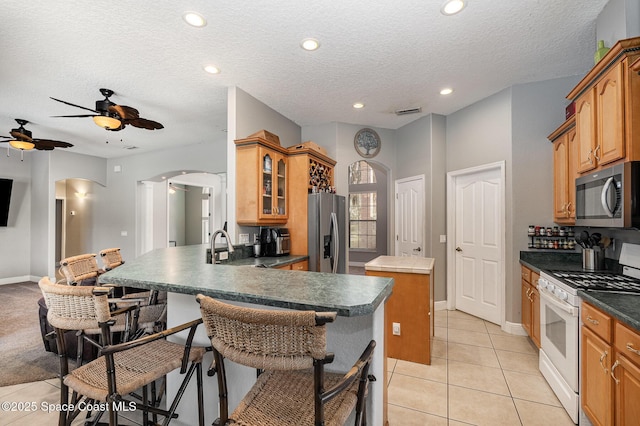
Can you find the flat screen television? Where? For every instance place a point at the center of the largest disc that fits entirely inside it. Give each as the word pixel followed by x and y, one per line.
pixel 5 200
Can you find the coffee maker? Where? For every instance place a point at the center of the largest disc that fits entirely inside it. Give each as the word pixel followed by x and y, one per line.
pixel 275 241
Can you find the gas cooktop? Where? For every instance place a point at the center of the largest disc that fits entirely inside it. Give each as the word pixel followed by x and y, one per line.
pixel 598 281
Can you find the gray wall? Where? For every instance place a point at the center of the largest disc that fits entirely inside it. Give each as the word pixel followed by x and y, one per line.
pixel 620 19
pixel 15 239
pixel 247 115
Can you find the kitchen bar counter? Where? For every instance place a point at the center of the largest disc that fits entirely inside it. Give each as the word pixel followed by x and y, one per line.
pixel 183 270
pixel 183 273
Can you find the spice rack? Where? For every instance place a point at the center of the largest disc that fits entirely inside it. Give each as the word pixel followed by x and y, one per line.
pixel 551 238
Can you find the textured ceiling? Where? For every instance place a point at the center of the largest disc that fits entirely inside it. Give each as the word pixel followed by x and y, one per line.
pixel 388 54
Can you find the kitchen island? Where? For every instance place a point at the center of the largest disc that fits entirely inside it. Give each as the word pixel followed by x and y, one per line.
pixel 183 273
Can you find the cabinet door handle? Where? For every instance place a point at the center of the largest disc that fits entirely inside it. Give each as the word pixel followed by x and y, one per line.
pixel 458 249
pixel 594 153
pixel 569 209
pixel 592 321
pixel 604 355
pixel 613 369
pixel 632 349
pixel 589 156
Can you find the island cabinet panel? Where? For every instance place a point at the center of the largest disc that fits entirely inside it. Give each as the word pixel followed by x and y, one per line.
pixel 411 306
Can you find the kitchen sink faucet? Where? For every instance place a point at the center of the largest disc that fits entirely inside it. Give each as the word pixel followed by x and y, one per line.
pixel 226 236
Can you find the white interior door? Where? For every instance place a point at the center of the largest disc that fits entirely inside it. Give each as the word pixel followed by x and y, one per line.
pixel 478 242
pixel 410 217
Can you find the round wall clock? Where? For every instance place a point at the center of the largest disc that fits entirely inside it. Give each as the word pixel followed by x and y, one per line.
pixel 367 143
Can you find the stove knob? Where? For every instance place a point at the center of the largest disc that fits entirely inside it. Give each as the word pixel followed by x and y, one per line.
pixel 561 294
pixel 542 283
pixel 550 287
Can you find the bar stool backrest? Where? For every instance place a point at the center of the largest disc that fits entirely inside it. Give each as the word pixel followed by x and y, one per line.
pixel 111 258
pixel 78 268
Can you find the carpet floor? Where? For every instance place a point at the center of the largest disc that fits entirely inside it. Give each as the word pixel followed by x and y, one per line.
pixel 22 355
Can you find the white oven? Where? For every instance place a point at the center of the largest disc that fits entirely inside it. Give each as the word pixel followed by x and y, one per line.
pixel 559 341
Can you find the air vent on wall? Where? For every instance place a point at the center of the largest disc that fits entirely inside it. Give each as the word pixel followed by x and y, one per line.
pixel 408 111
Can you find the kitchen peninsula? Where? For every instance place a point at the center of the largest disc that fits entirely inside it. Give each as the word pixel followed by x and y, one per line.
pixel 183 273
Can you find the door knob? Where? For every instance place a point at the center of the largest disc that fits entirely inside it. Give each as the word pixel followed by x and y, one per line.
pixel 417 249
pixel 458 249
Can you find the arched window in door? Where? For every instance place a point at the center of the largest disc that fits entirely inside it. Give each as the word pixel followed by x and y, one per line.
pixel 367 211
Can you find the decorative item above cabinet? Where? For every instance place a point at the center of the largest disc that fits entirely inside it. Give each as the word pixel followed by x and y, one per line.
pixel 607 109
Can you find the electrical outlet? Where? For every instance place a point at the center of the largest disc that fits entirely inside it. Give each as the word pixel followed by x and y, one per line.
pixel 443 238
pixel 243 239
pixel 396 328
pixel 224 255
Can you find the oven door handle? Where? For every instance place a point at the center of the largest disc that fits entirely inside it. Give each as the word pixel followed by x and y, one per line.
pixel 572 310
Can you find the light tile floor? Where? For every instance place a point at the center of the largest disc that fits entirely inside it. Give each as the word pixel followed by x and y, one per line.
pixel 478 375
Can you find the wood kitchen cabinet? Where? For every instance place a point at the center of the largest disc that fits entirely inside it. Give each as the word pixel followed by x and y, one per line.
pixel 564 172
pixel 610 376
pixel 531 304
pixel 306 167
pixel 298 266
pixel 607 104
pixel 261 183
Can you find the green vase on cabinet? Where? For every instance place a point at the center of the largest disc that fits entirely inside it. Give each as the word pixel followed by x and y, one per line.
pixel 600 52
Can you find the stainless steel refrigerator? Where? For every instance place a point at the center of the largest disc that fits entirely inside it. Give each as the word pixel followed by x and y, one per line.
pixel 327 233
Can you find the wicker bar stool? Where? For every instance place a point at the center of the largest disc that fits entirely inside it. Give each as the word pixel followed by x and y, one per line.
pixel 111 258
pixel 120 369
pixel 80 268
pixel 289 350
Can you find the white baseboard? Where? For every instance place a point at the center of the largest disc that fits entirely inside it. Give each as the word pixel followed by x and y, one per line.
pixel 514 328
pixel 13 280
pixel 440 305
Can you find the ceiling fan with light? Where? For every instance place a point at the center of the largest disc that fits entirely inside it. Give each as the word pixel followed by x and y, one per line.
pixel 22 139
pixel 111 116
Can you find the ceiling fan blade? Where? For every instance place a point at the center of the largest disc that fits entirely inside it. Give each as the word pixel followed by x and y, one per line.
pixel 19 135
pixel 8 137
pixel 51 143
pixel 82 115
pixel 125 112
pixel 143 123
pixel 74 105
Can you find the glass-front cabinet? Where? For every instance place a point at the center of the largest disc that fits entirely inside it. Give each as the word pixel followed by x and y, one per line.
pixel 261 182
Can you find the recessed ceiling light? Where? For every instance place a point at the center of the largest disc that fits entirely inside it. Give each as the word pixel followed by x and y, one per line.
pixel 310 44
pixel 446 91
pixel 451 7
pixel 211 69
pixel 358 105
pixel 194 19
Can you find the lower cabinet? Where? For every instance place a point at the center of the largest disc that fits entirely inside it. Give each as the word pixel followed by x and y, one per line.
pixel 610 377
pixel 531 304
pixel 298 266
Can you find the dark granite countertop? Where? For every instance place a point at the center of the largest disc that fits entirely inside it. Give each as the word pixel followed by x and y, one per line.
pixel 184 270
pixel 624 307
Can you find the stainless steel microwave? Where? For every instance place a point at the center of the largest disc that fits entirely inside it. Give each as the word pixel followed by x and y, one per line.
pixel 609 198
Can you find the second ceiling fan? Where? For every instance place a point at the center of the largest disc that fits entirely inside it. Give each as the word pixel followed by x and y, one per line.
pixel 112 116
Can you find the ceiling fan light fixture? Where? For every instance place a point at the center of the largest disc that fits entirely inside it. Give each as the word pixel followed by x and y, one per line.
pixel 451 7
pixel 107 122
pixel 194 19
pixel 22 145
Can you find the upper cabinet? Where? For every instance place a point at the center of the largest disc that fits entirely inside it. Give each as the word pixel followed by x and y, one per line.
pixel 261 182
pixel 608 109
pixel 565 153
